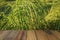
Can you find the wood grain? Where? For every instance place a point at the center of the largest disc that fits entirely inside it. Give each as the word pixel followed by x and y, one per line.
pixel 29 35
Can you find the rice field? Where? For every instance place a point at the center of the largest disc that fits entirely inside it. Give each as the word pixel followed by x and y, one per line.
pixel 29 14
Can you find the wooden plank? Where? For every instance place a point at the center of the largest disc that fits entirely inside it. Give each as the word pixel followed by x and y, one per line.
pixel 1 31
pixel 18 35
pixel 21 35
pixel 50 35
pixel 41 35
pixel 57 34
pixel 2 36
pixel 11 36
pixel 31 35
pixel 25 36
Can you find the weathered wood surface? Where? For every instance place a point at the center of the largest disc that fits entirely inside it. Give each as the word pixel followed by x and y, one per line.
pixel 29 35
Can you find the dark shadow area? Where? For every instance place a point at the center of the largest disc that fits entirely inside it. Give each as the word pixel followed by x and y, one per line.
pixel 6 9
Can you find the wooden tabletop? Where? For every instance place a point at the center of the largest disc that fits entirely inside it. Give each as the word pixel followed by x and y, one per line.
pixel 29 35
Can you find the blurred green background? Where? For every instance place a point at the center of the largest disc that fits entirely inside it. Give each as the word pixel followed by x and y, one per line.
pixel 29 14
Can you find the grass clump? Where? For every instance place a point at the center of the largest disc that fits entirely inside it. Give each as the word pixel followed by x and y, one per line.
pixel 29 14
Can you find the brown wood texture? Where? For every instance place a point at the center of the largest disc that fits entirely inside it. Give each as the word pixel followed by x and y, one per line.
pixel 30 35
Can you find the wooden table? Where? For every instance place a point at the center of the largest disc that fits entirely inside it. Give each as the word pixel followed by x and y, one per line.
pixel 29 35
